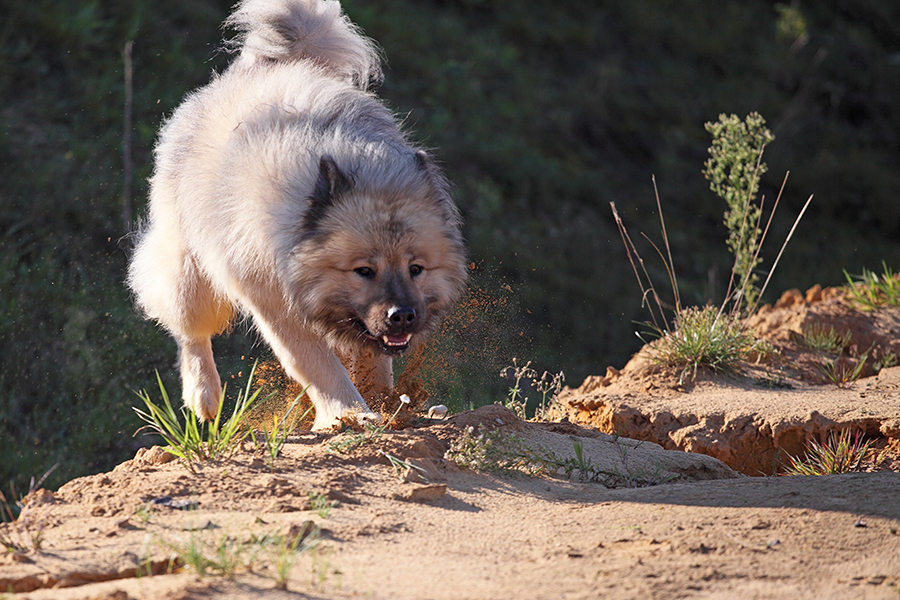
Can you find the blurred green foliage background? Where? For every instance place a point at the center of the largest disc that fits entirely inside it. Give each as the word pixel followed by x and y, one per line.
pixel 542 113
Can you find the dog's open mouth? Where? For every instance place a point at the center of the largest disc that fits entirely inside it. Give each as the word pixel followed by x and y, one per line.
pixel 389 343
pixel 396 341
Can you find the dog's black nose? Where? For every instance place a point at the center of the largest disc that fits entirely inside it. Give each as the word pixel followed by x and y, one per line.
pixel 402 315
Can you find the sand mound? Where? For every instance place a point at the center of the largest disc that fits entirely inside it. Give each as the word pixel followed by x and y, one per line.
pixel 751 421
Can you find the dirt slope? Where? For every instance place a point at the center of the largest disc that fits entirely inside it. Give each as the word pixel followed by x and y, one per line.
pixel 774 407
pixel 707 533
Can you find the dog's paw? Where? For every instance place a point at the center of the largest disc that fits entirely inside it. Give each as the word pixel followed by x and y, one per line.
pixel 354 416
pixel 203 401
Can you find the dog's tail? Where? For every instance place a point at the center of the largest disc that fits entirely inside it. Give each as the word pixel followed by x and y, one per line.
pixel 317 30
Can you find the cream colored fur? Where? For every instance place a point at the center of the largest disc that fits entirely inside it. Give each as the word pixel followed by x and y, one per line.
pixel 244 218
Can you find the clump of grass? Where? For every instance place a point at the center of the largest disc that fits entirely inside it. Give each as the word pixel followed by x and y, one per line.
pixel 824 339
pixel 194 440
pixel 703 337
pixel 837 455
pixel 842 372
pixel 369 434
pixel 871 290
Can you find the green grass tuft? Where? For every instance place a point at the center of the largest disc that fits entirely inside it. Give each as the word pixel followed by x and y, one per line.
pixel 870 290
pixel 194 440
pixel 702 337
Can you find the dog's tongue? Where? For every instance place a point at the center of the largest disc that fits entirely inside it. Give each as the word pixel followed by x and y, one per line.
pixel 396 340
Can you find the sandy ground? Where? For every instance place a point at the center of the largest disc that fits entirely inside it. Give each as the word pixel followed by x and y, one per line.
pixel 707 532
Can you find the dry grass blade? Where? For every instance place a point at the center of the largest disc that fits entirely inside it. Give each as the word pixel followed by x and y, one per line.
pixel 632 252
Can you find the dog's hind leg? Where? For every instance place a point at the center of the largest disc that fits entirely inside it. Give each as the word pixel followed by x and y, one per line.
pixel 171 289
pixel 203 316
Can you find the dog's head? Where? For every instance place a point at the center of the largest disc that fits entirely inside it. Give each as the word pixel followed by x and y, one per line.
pixel 380 259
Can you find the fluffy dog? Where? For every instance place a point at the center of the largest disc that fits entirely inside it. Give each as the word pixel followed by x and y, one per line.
pixel 284 190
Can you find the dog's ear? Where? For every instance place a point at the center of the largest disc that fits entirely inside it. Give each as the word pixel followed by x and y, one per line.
pixel 330 184
pixel 422 160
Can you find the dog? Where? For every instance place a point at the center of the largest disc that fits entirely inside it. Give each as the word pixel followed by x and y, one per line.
pixel 285 191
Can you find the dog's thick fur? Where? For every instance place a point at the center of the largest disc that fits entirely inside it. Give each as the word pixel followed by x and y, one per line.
pixel 284 190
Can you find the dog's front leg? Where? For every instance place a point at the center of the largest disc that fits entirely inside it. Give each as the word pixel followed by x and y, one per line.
pixel 308 359
pixel 372 373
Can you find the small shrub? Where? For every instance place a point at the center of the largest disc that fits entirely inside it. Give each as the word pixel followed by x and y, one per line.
pixel 734 169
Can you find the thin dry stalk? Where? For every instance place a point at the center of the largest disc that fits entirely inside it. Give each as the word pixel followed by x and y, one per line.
pixel 126 135
pixel 670 266
pixel 629 249
pixel 780 252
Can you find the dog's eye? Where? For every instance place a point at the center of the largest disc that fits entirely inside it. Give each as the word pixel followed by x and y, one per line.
pixel 365 272
pixel 415 270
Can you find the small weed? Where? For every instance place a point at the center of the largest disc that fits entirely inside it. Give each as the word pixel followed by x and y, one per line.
pixel 226 556
pixel 548 386
pixel 369 434
pixel 517 399
pixel 586 472
pixel 837 455
pixel 195 441
pixel 271 442
pixel 321 566
pixel 492 451
pixel 321 504
pixel 821 339
pixel 884 359
pixel 284 550
pixel 143 513
pixel 507 454
pixel 871 290
pixel 21 534
pixel 286 555
pixel 703 337
pixel 842 372
pixel 402 467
